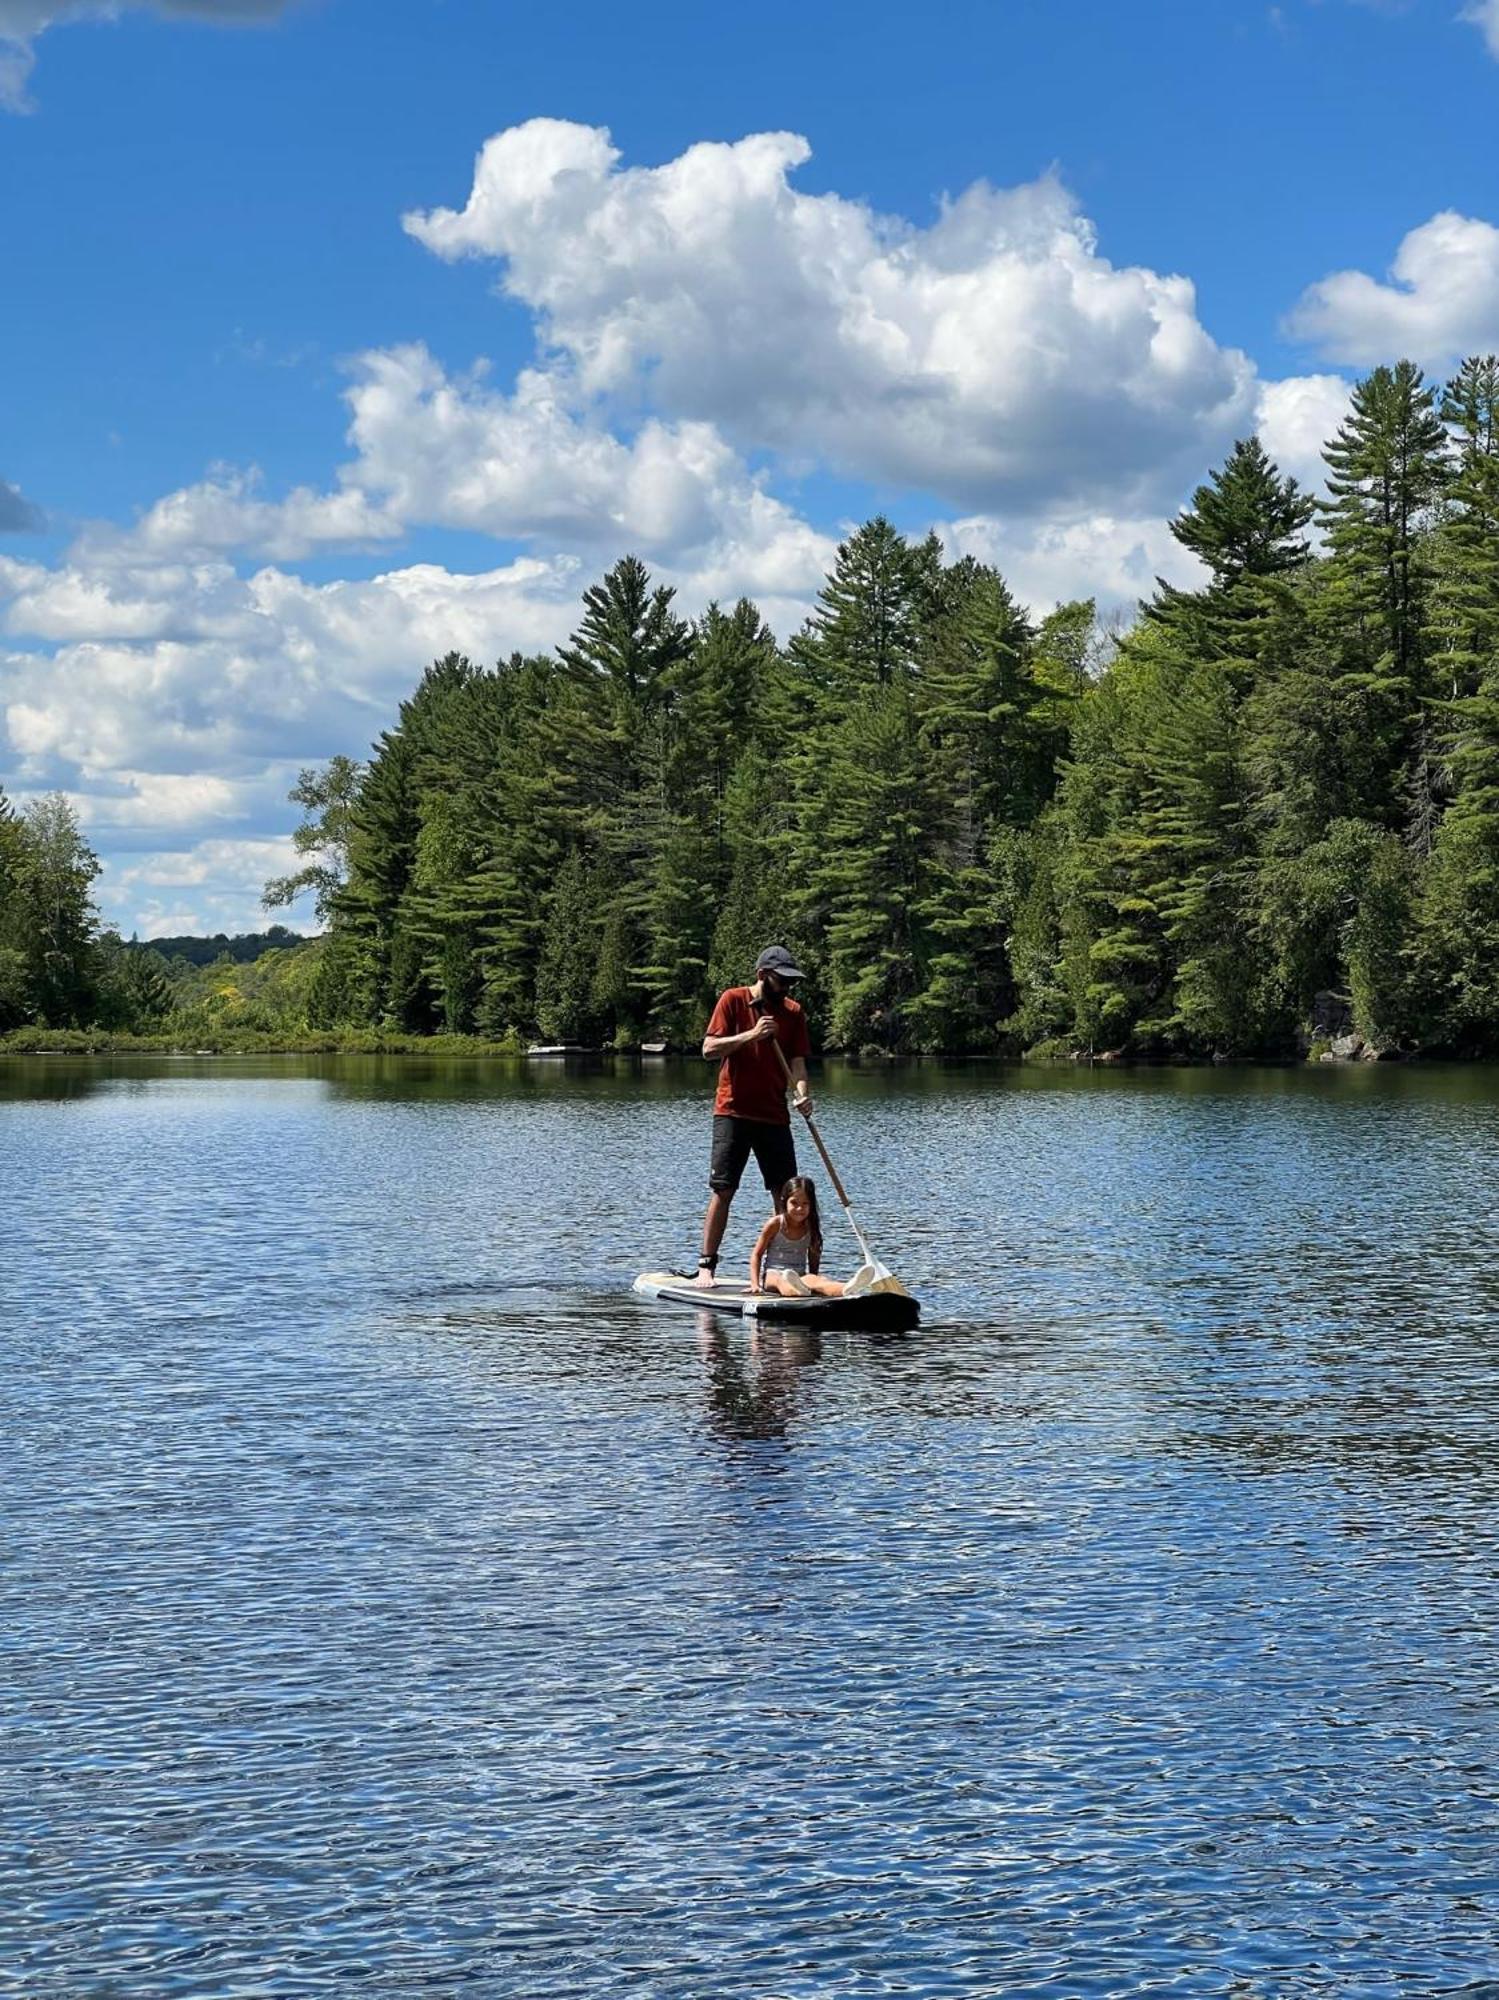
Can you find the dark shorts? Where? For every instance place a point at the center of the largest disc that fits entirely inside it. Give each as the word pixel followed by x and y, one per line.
pixel 734 1139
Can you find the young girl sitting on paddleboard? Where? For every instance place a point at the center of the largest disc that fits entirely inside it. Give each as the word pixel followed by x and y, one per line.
pixel 788 1249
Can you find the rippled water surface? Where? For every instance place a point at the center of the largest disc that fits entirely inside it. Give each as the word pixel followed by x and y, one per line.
pixel 391 1603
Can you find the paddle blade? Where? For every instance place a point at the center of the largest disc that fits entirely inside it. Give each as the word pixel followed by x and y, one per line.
pixel 874 1277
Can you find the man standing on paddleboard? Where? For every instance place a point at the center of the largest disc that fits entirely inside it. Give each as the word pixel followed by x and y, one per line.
pixel 749 1111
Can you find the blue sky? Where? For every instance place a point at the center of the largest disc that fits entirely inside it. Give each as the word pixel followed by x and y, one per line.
pixel 296 402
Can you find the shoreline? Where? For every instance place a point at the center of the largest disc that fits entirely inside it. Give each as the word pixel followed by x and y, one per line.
pixel 37 1042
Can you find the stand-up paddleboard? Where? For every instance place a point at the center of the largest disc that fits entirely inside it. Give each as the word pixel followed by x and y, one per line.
pixel 867 1312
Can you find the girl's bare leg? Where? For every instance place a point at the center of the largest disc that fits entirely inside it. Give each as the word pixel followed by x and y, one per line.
pixel 779 1281
pixel 825 1288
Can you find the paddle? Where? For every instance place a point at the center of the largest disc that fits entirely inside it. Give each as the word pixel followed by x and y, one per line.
pixel 872 1275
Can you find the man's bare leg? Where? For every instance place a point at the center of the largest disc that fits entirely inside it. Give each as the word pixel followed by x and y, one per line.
pixel 715 1222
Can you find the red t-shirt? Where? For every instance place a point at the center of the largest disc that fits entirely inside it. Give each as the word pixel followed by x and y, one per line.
pixel 751 1083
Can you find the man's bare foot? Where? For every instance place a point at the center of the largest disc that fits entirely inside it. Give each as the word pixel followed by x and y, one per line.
pixel 706 1277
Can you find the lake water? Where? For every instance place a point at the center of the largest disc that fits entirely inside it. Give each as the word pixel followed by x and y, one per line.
pixel 391 1603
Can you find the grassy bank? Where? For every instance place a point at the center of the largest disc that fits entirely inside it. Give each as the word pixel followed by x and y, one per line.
pixel 249 1042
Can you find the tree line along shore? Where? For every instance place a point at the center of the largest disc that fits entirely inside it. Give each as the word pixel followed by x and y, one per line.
pixel 1261 822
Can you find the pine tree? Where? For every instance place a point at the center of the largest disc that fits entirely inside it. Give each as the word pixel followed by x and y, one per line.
pixel 1115 874
pixel 1246 525
pixel 14 998
pixel 1203 865
pixel 1460 905
pixel 858 814
pixel 461 766
pixel 754 908
pixel 1024 864
pixel 629 635
pixel 528 815
pixel 991 733
pixel 1465 592
pixel 725 684
pixel 721 689
pixel 384 828
pixel 1181 853
pixel 681 902
pixel 871 873
pixel 1309 760
pixel 1246 521
pixel 863 632
pixel 1385 977
pixel 626 661
pixel 1387 466
pixel 565 1009
pixel 1460 914
pixel 614 994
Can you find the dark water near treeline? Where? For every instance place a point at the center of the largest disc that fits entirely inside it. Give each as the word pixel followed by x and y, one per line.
pixel 390 1603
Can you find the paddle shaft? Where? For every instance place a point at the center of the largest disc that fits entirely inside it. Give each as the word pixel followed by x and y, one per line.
pixel 816 1135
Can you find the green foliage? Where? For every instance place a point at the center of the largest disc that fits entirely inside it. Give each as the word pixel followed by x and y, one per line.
pixel 14 989
pixel 327 798
pixel 565 1008
pixel 870 873
pixel 135 990
pixel 1459 918
pixel 1460 932
pixel 1387 468
pixel 272 992
pixel 243 948
pixel 1246 521
pixel 49 969
pixel 1383 972
pixel 1270 805
pixel 1277 793
pixel 863 633
pixel 759 835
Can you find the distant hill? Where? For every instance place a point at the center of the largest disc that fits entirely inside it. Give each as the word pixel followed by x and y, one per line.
pixel 206 950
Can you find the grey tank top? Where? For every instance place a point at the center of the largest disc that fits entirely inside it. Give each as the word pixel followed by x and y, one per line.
pixel 788 1253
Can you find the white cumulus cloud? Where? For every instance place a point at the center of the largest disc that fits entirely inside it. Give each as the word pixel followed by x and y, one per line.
pixel 1297 417
pixel 993 358
pixel 1439 302
pixel 210 886
pixel 705 331
pixel 169 700
pixel 450 452
pixel 199 670
pixel 435 450
pixel 156 800
pixel 226 513
pixel 1116 561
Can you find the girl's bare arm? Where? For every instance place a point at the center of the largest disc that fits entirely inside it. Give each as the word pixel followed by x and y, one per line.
pixel 757 1255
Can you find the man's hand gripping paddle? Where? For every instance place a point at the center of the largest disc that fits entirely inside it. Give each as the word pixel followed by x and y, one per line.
pixel 872 1275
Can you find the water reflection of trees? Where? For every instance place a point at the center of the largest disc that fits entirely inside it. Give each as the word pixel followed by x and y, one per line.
pixel 39 1078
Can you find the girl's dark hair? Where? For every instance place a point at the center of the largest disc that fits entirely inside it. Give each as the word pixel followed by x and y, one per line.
pixel 799 1184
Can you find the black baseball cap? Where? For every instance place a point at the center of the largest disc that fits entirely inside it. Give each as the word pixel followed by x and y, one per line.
pixel 775 958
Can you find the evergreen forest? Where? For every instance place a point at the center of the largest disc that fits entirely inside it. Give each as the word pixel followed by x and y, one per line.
pixel 1261 822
